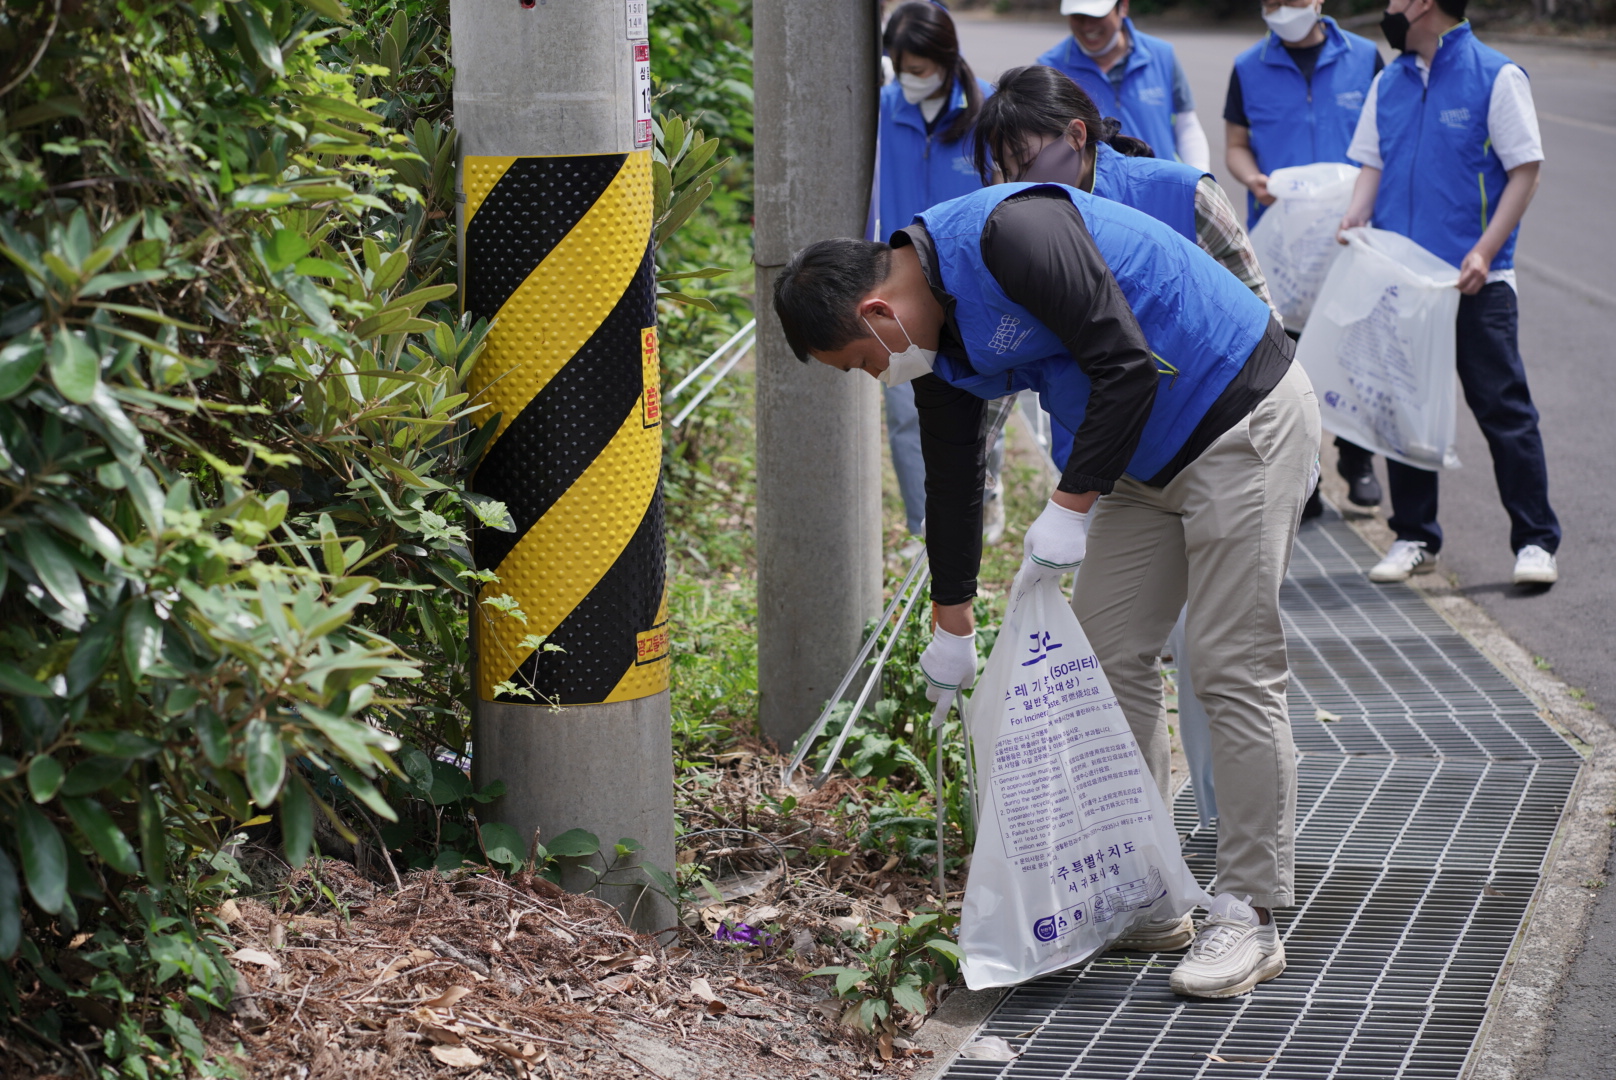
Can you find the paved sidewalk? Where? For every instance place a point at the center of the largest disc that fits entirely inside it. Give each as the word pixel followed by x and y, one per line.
pixel 1431 791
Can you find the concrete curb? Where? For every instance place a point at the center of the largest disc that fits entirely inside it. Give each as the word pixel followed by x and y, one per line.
pixel 951 1026
pixel 1514 1038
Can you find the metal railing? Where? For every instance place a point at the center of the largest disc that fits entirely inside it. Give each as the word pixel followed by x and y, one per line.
pixel 739 344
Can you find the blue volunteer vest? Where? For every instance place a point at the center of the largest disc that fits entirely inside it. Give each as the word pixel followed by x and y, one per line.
pixel 1201 323
pixel 918 170
pixel 1145 103
pixel 1292 122
pixel 1163 189
pixel 1441 181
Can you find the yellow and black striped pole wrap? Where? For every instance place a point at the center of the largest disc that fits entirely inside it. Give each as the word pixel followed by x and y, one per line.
pixel 558 254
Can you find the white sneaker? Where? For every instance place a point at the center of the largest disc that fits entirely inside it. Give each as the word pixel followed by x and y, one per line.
pixel 1166 935
pixel 993 513
pixel 1534 566
pixel 1404 558
pixel 1233 953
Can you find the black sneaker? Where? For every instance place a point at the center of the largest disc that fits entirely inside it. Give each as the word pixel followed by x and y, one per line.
pixel 1314 507
pixel 1363 489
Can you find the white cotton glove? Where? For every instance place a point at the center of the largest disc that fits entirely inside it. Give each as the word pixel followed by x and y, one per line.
pixel 949 663
pixel 1057 541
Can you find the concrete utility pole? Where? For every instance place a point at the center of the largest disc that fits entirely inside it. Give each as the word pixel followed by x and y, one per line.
pixel 815 81
pixel 552 102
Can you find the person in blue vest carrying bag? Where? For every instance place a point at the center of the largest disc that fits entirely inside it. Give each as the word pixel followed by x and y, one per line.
pixel 1132 76
pixel 926 120
pixel 1041 127
pixel 1195 442
pixel 1450 151
pixel 1294 99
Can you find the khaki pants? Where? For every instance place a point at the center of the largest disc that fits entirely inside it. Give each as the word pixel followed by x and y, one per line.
pixel 1219 535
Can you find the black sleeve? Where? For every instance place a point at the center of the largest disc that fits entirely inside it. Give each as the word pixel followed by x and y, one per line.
pixel 1040 252
pixel 1234 104
pixel 954 448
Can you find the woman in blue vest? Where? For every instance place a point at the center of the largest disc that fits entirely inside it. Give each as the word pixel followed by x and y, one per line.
pixel 1195 442
pixel 1132 76
pixel 1450 152
pixel 1294 99
pixel 927 117
pixel 1040 126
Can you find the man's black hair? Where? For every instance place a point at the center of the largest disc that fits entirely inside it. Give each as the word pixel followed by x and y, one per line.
pixel 816 294
pixel 1453 9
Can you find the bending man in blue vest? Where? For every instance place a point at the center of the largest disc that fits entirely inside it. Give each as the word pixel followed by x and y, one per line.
pixel 1450 150
pixel 1132 76
pixel 1294 99
pixel 1196 439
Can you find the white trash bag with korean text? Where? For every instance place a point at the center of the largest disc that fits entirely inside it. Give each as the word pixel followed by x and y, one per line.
pixel 1073 844
pixel 1381 348
pixel 1295 238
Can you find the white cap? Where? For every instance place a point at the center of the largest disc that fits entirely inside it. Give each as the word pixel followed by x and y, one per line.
pixel 1094 9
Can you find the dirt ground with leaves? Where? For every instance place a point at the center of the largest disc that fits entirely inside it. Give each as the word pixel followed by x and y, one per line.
pixel 484 975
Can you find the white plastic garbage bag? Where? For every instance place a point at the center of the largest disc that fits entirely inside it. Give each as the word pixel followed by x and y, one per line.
pixel 1295 238
pixel 1073 843
pixel 1380 349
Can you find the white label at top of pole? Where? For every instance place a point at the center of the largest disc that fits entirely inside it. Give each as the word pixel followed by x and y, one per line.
pixel 639 24
pixel 642 93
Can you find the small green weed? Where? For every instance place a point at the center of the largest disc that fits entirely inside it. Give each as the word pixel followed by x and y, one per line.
pixel 901 966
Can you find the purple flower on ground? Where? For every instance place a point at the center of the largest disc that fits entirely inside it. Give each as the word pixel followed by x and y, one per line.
pixel 742 934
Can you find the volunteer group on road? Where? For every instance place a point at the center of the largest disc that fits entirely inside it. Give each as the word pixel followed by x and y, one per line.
pixel 1063 233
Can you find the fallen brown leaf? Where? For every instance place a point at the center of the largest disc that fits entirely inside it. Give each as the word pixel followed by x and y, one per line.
pixel 447 998
pixel 255 956
pixel 702 989
pixel 460 1057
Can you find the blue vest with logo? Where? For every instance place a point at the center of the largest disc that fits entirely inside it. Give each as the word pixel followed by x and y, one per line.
pixel 1296 123
pixel 1200 322
pixel 1163 189
pixel 1145 103
pixel 1441 181
pixel 918 169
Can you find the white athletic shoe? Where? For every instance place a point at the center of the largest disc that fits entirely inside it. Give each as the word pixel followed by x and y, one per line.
pixel 1166 935
pixel 1534 566
pixel 1404 558
pixel 993 512
pixel 1233 953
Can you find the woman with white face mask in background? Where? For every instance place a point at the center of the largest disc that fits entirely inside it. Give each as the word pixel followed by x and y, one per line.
pixel 928 114
pixel 1294 99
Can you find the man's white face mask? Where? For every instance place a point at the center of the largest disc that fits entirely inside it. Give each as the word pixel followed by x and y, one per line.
pixel 1116 39
pixel 904 366
pixel 1292 23
pixel 917 88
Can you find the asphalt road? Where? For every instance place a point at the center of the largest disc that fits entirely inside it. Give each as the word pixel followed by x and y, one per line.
pixel 1566 262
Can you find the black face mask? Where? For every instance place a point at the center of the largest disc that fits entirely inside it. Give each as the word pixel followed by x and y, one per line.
pixel 1395 27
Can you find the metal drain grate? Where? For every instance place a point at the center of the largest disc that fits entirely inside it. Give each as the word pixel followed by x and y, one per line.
pixel 1424 815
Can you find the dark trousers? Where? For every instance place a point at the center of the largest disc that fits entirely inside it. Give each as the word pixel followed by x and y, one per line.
pixel 1494 382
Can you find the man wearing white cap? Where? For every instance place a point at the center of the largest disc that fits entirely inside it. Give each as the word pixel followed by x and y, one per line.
pixel 1133 77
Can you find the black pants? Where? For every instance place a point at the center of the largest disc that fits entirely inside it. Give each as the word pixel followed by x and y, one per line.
pixel 1494 382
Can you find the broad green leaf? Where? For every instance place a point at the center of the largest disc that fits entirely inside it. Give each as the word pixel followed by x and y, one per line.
pixel 575 844
pixel 93 774
pixel 342 110
pixel 142 638
pixel 104 835
pixel 283 249
pixel 16 681
pixel 704 272
pixel 44 858
pixel 297 822
pixel 907 996
pixel 44 778
pixel 249 24
pixel 74 366
pixel 329 8
pixel 266 761
pixel 449 784
pixel 10 908
pixel 55 570
pixel 75 522
pixel 20 361
pixel 849 979
pixel 119 744
pixel 502 845
pixel 153 842
pixel 947 948
pixel 95 648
